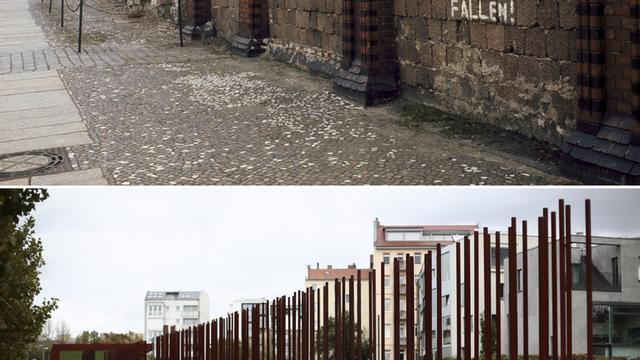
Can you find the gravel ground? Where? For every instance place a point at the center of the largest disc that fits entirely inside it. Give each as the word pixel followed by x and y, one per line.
pixel 230 120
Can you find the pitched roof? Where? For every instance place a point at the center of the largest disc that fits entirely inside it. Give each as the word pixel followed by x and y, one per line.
pixel 332 274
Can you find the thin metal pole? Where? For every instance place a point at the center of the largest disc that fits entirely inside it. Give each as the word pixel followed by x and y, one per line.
pixel 61 13
pixel 525 292
pixel 554 289
pixel 438 302
pixel 498 258
pixel 338 321
pixel 568 280
pixel 325 322
pixel 467 299
pixel 589 278
pixel 351 319
pixel 476 296
pixel 312 322
pixel 255 333
pixel 373 312
pixel 562 267
pixel 543 298
pixel 513 293
pixel 396 309
pixel 296 315
pixel 486 247
pixel 179 21
pixel 458 305
pixel 410 308
pixel 383 309
pixel 428 305
pixel 50 1
pixel 359 317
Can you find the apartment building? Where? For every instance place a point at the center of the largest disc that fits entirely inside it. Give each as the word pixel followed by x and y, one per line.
pixel 396 242
pixel 173 308
pixel 316 279
pixel 616 297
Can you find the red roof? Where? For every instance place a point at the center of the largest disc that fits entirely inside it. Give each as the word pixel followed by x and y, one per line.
pixel 332 274
pixel 381 240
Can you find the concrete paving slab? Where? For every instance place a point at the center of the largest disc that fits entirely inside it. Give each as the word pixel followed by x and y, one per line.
pixel 43 116
pixel 46 142
pixel 80 177
pixel 18 87
pixel 15 182
pixel 35 100
pixel 42 131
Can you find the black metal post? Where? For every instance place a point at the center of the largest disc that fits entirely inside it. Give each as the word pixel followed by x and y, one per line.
pixel 80 27
pixel 61 13
pixel 180 21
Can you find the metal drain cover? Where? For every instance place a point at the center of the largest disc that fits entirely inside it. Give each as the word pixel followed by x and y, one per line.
pixel 28 163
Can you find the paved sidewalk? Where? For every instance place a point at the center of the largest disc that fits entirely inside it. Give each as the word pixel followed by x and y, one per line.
pixel 36 111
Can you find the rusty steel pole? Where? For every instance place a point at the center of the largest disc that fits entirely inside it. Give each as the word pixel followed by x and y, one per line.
pixel 554 289
pixel 382 312
pixel 568 280
pixel 410 309
pixel 486 249
pixel 525 292
pixel 458 305
pixel 373 311
pixel 312 348
pixel 214 340
pixel 236 335
pixel 396 310
pixel 476 297
pixel 562 268
pixel 438 302
pixel 245 334
pixel 317 330
pixel 543 293
pixel 467 298
pixel 325 322
pixel 359 317
pixel 498 328
pixel 589 278
pixel 295 309
pixel 338 323
pixel 428 305
pixel 255 332
pixel 351 319
pixel 513 292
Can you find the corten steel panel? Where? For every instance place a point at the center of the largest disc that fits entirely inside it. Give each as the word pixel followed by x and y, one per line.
pixel 589 278
pixel 467 299
pixel 428 305
pixel 562 266
pixel 513 293
pixel 305 325
pixel 236 337
pixel 554 289
pixel 351 319
pixel 359 317
pixel 396 310
pixel 410 308
pixel 438 302
pixel 207 343
pixel 289 328
pixel 343 310
pixel 476 296
pixel 567 254
pixel 382 310
pixel 245 335
pixel 325 322
pixel 373 312
pixel 498 348
pixel 317 330
pixel 525 292
pixel 458 305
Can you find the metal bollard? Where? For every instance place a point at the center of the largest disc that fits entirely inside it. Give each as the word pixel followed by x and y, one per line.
pixel 180 21
pixel 61 13
pixel 80 27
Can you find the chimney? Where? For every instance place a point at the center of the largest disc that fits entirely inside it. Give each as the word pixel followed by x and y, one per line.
pixel 329 267
pixel 317 265
pixel 352 266
pixel 308 267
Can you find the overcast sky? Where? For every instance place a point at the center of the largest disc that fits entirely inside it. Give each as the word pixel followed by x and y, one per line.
pixel 105 247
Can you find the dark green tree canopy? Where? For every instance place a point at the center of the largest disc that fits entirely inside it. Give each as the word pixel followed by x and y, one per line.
pixel 21 319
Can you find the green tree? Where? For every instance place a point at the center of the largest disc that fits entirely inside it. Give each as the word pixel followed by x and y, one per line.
pixel 493 336
pixel 346 344
pixel 21 319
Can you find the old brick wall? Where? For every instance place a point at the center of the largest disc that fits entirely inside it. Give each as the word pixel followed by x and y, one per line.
pixel 507 62
pixel 307 33
pixel 225 17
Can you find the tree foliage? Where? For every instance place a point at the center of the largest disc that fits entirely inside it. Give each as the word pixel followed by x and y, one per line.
pixel 346 343
pixel 94 337
pixel 21 319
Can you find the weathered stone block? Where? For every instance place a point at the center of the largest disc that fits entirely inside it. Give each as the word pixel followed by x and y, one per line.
pixel 400 7
pixel 439 54
pixel 424 53
pixel 424 8
pixel 514 40
pixel 408 74
pixel 450 31
pixel 435 30
pixel 464 34
pixel 495 37
pixel 422 29
pixel 547 14
pixel 478 35
pixel 535 41
pixel 558 44
pixel 439 9
pixel 413 8
pixel 526 13
pixel 567 14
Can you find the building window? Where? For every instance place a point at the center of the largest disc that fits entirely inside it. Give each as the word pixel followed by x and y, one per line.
pixel 387 304
pixel 402 282
pixel 387 355
pixel 446 330
pixel 403 331
pixel 519 280
pixel 347 298
pixel 154 310
pixel 400 257
pixel 605 267
pixel 445 267
pixel 385 258
pixel 638 268
pixel 615 279
pixel 387 331
pixel 404 235
pixel 417 258
pixel 387 280
pixel 403 306
pixel 178 308
pixel 504 253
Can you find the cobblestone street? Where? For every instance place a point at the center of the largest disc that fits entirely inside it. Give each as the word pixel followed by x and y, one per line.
pixel 160 114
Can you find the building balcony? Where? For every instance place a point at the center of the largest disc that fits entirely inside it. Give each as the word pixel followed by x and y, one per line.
pixel 190 314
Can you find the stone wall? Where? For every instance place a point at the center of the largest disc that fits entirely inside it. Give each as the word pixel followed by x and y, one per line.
pixel 225 14
pixel 508 62
pixel 307 33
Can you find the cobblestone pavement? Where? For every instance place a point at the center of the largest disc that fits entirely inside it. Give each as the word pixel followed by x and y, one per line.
pixel 170 119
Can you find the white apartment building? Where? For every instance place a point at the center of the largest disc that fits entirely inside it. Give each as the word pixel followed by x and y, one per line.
pixel 173 308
